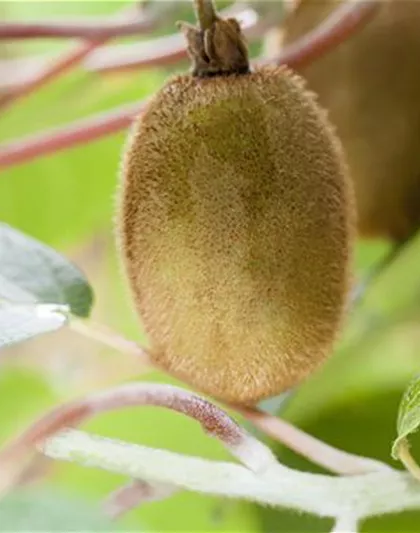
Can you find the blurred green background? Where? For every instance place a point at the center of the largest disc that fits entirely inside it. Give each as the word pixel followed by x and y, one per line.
pixel 67 200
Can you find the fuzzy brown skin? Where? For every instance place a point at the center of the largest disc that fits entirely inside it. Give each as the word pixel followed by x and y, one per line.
pixel 371 86
pixel 235 226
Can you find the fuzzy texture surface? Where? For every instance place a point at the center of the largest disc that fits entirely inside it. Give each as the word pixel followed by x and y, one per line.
pixel 371 85
pixel 235 224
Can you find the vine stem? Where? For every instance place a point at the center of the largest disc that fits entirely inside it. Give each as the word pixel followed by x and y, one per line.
pixel 299 441
pixel 205 13
pixel 353 15
pixel 344 21
pixel 106 336
pixel 49 71
pixel 74 134
pixel 134 494
pixel 84 29
pixel 166 50
pixel 362 495
pixel 306 445
pixel 407 459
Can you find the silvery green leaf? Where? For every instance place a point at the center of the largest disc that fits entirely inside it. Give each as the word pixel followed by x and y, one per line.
pixel 31 272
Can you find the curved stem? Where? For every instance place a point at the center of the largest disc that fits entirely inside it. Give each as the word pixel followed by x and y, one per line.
pixel 407 459
pixel 205 13
pixel 76 133
pixel 315 450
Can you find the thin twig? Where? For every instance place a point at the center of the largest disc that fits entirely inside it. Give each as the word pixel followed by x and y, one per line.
pixel 344 22
pixel 110 338
pixel 310 447
pixel 51 70
pixel 94 29
pixel 135 493
pixel 353 14
pixel 76 133
pixel 166 50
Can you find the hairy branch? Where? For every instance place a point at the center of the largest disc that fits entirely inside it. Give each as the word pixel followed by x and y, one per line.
pixel 357 496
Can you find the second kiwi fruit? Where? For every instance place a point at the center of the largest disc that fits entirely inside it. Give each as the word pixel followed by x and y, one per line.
pixel 370 85
pixel 235 222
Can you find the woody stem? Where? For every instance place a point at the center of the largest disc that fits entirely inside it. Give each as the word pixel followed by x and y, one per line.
pixel 205 13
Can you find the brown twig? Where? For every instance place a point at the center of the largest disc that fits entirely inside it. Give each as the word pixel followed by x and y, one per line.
pixel 74 134
pixel 342 23
pixel 163 51
pixel 85 29
pixel 317 451
pixel 50 70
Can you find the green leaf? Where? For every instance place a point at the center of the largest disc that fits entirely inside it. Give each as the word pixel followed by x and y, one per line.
pixel 33 273
pixel 408 419
pixel 35 510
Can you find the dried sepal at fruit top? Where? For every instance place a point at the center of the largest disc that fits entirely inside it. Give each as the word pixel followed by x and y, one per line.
pixel 235 225
pixel 217 46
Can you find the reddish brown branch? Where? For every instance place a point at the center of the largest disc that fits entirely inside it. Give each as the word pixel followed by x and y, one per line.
pixel 344 22
pixel 48 71
pixel 340 25
pixel 84 29
pixel 315 450
pixel 71 135
pixel 162 51
pixel 133 494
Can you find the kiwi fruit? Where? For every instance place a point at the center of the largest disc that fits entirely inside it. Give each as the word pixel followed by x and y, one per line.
pixel 235 222
pixel 370 86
